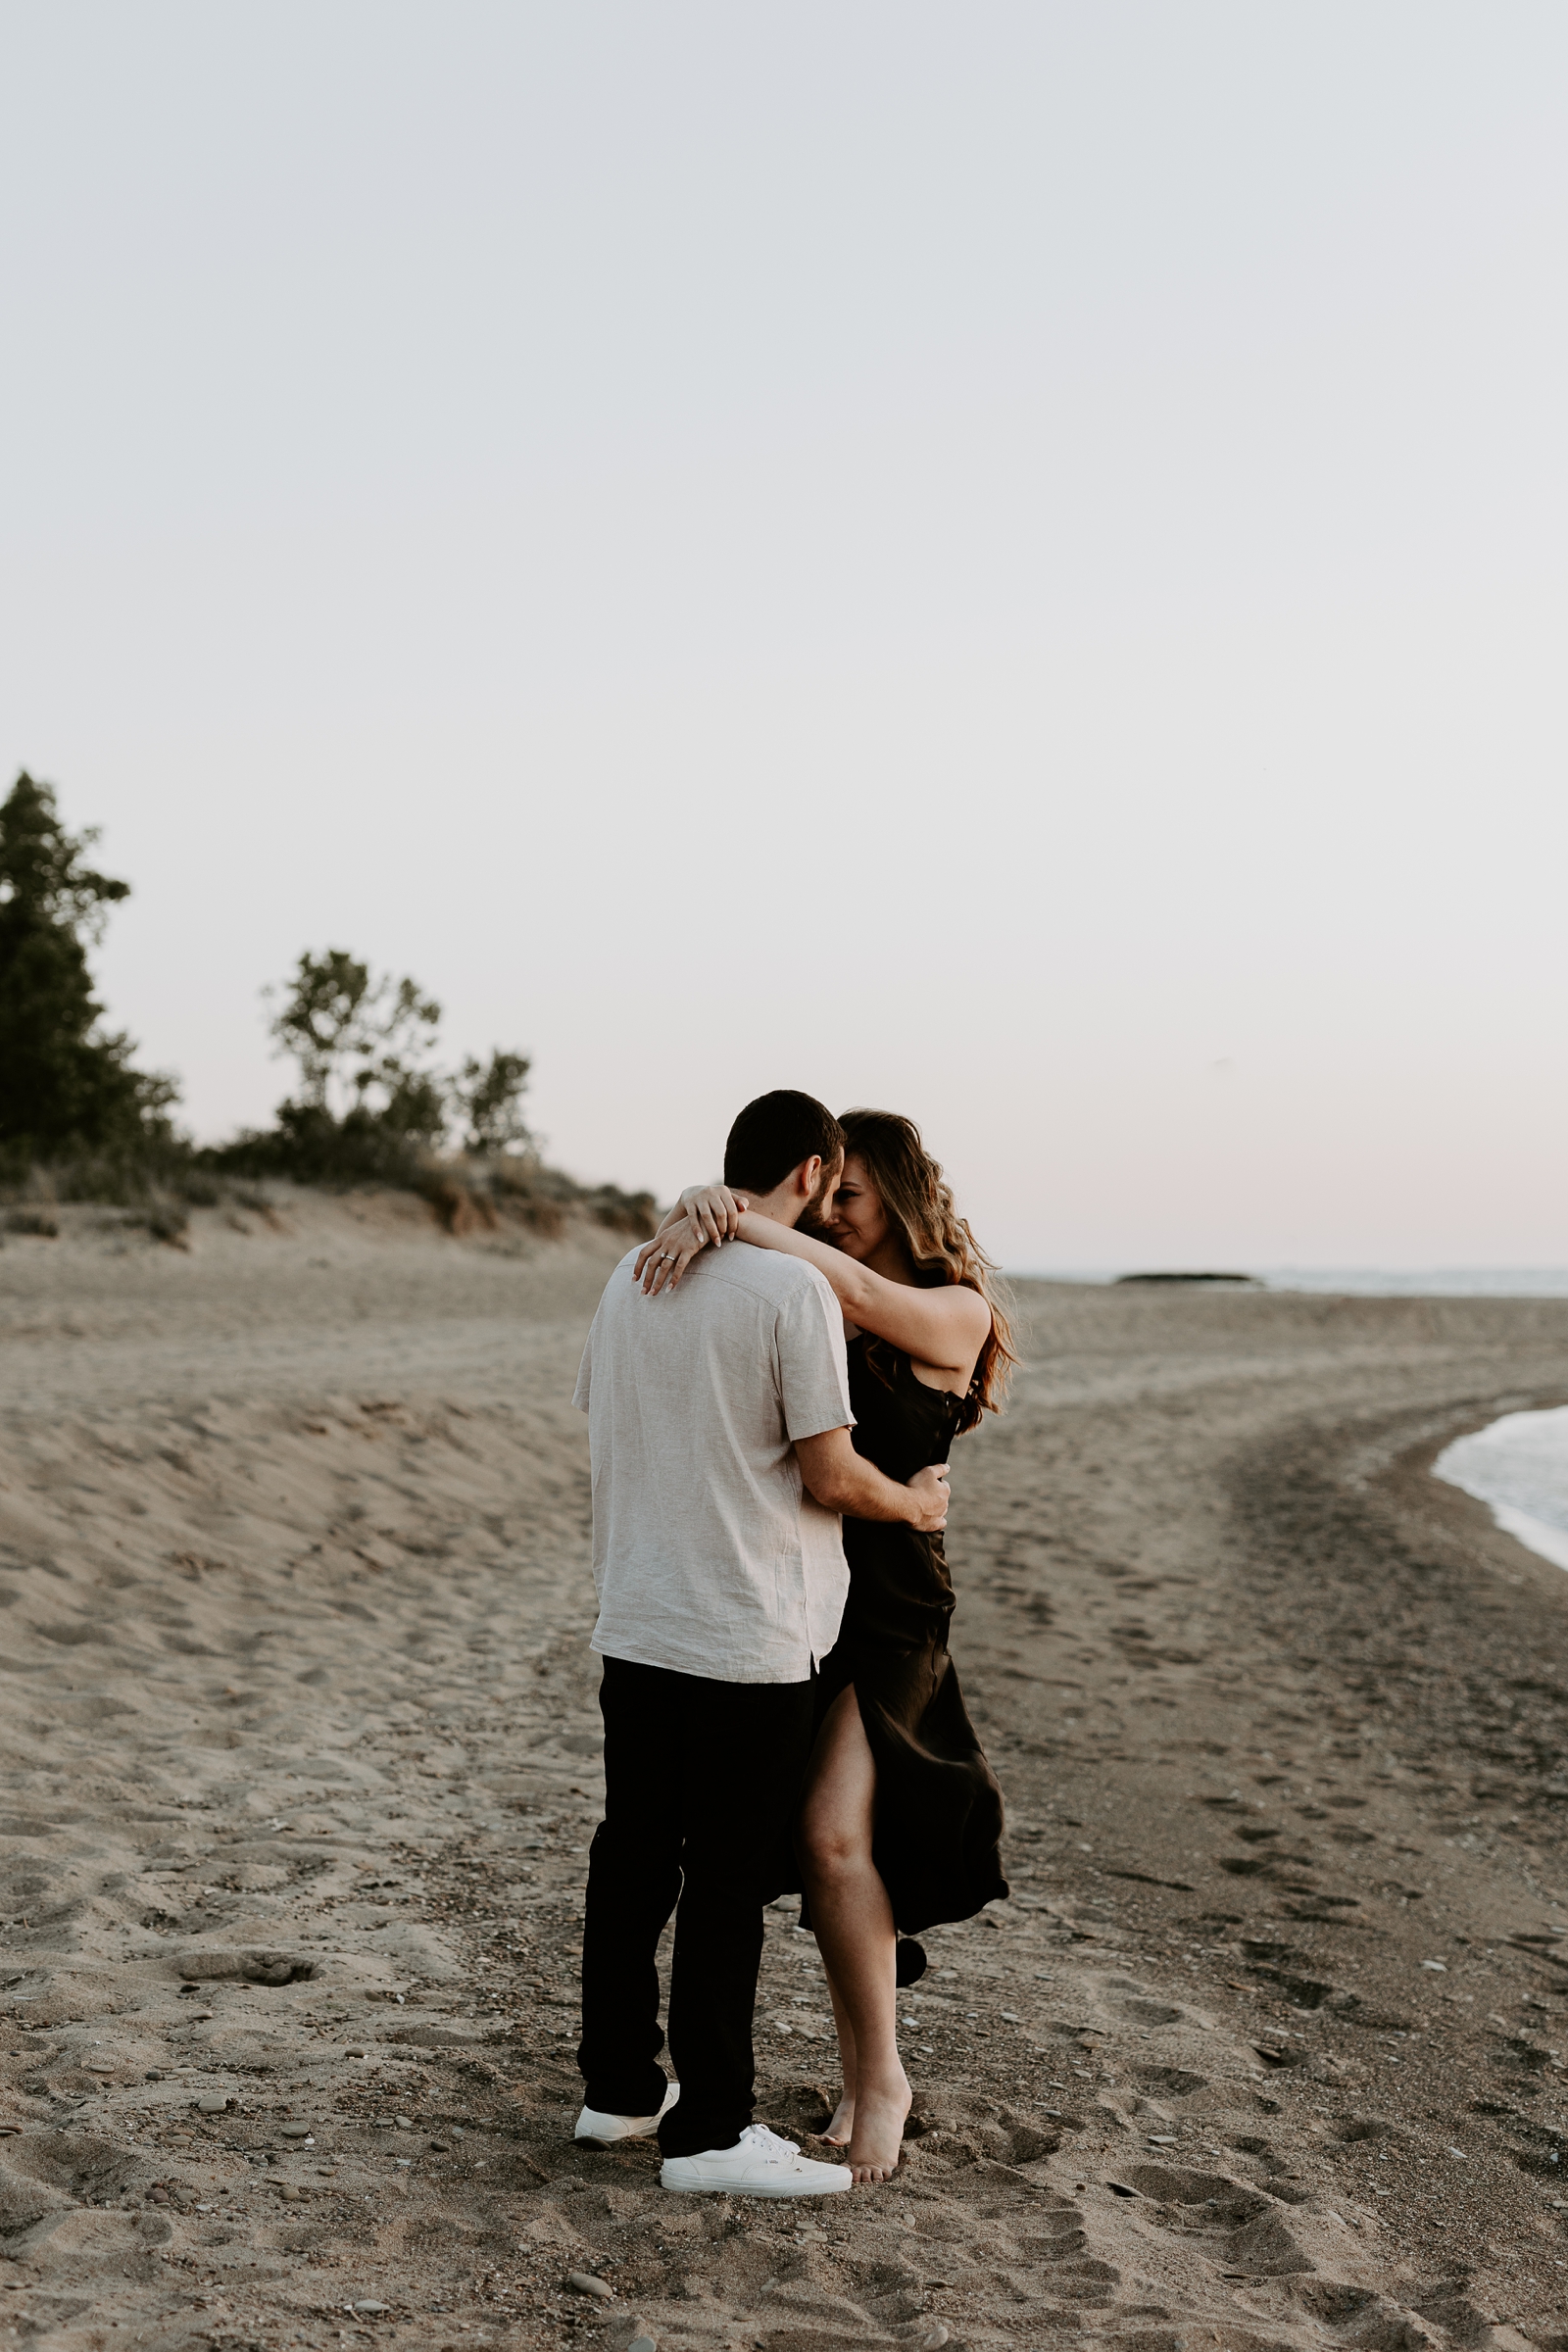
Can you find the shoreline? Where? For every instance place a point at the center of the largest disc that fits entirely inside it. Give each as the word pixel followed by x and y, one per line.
pixel 1507 1467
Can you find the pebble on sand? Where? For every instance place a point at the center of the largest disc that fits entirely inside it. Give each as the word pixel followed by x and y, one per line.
pixel 583 2283
pixel 253 1967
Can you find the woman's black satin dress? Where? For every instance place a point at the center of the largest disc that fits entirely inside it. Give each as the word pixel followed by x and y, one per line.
pixel 938 1804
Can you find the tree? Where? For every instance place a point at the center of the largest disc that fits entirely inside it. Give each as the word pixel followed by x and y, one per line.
pixel 361 1039
pixel 66 1084
pixel 371 1101
pixel 489 1095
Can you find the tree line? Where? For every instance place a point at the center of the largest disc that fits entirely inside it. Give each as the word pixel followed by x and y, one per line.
pixel 372 1101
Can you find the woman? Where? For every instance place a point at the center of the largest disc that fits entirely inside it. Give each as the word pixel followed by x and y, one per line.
pixel 902 1818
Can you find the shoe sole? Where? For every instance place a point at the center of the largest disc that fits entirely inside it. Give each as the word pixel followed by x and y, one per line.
pixel 588 2139
pixel 746 2188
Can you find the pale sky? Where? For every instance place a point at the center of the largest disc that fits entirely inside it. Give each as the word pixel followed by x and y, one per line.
pixel 1004 562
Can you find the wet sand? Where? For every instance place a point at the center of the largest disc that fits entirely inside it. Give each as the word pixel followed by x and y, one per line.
pixel 298 1763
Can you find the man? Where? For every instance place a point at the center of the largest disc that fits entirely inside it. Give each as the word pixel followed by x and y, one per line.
pixel 720 1433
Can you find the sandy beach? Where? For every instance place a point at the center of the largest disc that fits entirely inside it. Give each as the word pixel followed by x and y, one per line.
pixel 300 1748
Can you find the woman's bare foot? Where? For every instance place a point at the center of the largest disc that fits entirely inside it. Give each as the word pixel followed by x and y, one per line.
pixel 839 2131
pixel 878 2134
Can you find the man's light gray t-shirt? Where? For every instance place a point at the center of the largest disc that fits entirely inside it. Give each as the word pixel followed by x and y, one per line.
pixel 709 1556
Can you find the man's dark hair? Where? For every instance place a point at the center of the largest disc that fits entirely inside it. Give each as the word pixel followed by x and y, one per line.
pixel 774 1134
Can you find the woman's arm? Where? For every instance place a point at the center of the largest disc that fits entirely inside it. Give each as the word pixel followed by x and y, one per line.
pixel 711 1210
pixel 945 1327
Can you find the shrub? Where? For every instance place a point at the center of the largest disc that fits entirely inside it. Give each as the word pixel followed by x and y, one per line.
pixel 312 1146
pixel 36 1221
pixel 636 1213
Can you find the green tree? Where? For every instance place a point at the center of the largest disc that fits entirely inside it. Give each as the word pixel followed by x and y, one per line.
pixel 373 1105
pixel 360 1042
pixel 489 1095
pixel 66 1083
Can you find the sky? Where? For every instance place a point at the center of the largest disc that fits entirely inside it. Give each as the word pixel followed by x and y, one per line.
pixel 1004 562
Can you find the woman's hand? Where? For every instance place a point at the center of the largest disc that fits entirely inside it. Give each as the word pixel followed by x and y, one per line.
pixel 929 1488
pixel 704 1213
pixel 662 1261
pixel 713 1208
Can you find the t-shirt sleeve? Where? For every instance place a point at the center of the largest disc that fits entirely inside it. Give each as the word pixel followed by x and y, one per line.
pixel 580 1395
pixel 813 1376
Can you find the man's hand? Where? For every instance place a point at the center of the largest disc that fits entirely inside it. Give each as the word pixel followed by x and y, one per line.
pixel 930 1491
pixel 842 1480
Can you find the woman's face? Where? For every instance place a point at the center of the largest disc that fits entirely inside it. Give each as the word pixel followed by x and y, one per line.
pixel 855 1220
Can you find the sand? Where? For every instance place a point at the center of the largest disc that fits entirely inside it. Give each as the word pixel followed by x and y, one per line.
pixel 299 1761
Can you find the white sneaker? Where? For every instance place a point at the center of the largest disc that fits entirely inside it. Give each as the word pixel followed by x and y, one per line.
pixel 602 2131
pixel 759 2165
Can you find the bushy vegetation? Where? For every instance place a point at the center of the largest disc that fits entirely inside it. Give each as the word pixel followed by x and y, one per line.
pixel 480 1195
pixel 372 1103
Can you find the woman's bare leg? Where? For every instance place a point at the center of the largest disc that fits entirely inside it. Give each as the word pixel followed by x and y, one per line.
pixel 841 2127
pixel 853 1922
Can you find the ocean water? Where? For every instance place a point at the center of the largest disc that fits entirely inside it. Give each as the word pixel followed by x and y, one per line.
pixel 1519 1467
pixel 1363 1281
pixel 1442 1282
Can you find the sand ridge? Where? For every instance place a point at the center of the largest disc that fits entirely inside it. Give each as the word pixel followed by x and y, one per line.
pixel 299 1761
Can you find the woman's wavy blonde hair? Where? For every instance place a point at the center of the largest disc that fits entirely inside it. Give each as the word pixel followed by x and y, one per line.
pixel 918 1201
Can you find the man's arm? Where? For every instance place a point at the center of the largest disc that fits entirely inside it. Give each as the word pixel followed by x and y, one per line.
pixel 842 1480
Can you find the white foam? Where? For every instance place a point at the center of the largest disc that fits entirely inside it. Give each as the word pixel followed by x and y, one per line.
pixel 1518 1467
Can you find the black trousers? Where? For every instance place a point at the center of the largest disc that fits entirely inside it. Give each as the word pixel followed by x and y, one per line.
pixel 700 1781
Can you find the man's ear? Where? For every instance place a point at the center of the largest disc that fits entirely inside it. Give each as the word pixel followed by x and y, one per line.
pixel 808 1174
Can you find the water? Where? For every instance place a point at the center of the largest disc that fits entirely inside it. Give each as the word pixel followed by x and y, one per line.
pixel 1519 1467
pixel 1370 1282
pixel 1442 1282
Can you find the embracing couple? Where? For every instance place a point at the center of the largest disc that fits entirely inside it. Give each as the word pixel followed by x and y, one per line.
pixel 772 1385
